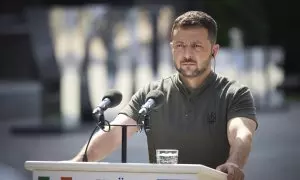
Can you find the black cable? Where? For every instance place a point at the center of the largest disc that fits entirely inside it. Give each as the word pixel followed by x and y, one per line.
pixel 214 64
pixel 101 125
pixel 85 158
pixel 215 118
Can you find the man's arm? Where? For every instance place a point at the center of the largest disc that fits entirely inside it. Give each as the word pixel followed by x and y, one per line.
pixel 103 143
pixel 240 133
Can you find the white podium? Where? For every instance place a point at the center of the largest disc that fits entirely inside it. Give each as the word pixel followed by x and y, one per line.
pixel 61 170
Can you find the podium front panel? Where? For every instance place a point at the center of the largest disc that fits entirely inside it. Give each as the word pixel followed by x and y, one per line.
pixel 51 170
pixel 69 175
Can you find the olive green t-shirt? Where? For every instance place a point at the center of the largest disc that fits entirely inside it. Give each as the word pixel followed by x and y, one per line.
pixel 194 122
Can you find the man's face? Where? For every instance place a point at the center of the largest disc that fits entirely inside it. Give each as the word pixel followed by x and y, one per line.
pixel 192 50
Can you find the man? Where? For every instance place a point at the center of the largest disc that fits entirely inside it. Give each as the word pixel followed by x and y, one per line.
pixel 208 118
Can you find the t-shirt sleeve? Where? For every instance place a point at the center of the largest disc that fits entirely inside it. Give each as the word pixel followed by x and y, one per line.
pixel 132 108
pixel 242 105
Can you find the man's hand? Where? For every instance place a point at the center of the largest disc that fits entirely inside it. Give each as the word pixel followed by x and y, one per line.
pixel 233 171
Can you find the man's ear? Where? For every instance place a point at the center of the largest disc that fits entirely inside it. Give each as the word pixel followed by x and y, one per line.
pixel 215 50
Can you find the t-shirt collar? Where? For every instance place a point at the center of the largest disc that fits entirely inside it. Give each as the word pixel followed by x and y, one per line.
pixel 194 92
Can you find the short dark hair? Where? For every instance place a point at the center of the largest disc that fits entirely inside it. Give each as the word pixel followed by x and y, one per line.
pixel 197 19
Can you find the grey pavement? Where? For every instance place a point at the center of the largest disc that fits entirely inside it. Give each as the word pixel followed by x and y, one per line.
pixel 275 153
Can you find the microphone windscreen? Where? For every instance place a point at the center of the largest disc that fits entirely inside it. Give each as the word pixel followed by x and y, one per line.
pixel 157 96
pixel 114 96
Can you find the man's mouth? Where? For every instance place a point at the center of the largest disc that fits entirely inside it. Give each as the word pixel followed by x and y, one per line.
pixel 188 63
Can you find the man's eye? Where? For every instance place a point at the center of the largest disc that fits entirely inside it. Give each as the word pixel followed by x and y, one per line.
pixel 179 45
pixel 197 46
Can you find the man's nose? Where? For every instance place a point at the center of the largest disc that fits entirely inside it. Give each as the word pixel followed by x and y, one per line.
pixel 188 52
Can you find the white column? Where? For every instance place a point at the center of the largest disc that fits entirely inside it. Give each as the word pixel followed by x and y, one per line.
pixel 141 35
pixel 97 75
pixel 68 38
pixel 237 55
pixel 165 62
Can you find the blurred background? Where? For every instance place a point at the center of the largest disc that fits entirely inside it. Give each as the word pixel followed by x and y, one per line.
pixel 58 60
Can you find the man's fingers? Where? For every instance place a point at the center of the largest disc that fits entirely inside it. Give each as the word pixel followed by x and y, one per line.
pixel 222 168
pixel 243 176
pixel 230 172
pixel 233 173
pixel 240 175
pixel 226 169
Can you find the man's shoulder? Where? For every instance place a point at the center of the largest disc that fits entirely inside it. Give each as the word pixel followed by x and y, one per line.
pixel 230 85
pixel 161 84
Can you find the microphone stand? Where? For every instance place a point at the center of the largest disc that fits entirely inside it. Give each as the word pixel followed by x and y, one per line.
pixel 124 135
pixel 101 122
pixel 146 122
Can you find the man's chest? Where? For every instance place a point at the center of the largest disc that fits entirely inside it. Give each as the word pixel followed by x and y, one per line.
pixel 195 116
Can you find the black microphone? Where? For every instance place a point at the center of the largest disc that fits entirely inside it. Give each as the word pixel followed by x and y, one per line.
pixel 154 100
pixel 111 99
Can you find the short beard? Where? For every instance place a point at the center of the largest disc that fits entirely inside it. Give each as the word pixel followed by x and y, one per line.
pixel 196 72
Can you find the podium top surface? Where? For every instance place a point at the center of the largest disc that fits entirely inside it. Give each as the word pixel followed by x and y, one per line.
pixel 121 167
